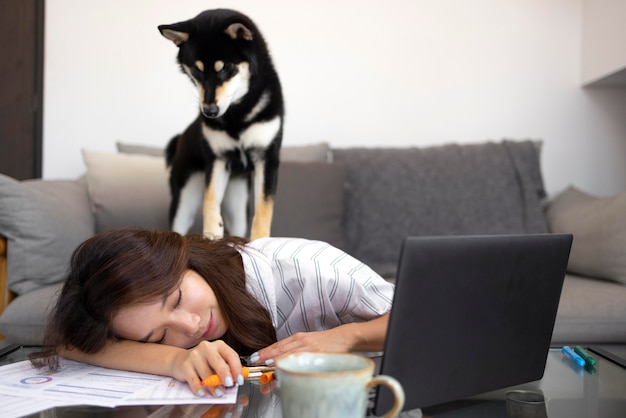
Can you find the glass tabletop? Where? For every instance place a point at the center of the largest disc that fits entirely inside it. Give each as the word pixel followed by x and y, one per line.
pixel 570 391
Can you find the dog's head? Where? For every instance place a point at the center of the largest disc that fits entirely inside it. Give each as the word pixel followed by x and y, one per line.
pixel 217 50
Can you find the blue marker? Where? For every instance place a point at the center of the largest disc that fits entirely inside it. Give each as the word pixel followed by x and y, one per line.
pixel 572 355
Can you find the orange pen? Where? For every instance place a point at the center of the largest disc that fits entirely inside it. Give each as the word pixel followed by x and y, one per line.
pixel 215 380
pixel 267 377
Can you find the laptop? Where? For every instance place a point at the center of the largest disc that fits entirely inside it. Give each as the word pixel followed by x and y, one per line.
pixel 471 314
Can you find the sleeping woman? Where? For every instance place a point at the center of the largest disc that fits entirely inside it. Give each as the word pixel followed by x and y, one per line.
pixel 188 307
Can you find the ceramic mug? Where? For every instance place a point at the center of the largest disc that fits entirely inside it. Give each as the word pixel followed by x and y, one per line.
pixel 525 404
pixel 330 385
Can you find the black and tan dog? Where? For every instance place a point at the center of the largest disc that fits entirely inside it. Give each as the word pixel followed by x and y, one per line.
pixel 238 133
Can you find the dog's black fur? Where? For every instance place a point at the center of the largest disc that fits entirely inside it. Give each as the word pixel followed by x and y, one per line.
pixel 238 133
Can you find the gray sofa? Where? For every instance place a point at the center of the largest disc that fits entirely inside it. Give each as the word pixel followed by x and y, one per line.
pixel 363 200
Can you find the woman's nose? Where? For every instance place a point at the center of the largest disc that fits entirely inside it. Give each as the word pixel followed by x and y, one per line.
pixel 187 322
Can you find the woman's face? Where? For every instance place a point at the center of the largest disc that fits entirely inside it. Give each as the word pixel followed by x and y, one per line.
pixel 183 318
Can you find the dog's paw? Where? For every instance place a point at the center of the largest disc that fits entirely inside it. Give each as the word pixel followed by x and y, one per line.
pixel 212 235
pixel 213 225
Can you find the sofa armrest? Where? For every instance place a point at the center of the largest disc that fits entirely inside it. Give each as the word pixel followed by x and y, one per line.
pixel 6 295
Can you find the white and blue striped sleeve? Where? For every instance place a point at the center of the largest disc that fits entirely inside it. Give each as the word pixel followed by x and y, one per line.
pixel 318 286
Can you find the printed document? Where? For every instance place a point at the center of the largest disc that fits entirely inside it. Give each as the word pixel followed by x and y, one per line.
pixel 76 383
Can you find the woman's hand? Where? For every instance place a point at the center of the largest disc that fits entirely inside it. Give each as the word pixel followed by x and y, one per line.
pixel 357 336
pixel 329 341
pixel 205 359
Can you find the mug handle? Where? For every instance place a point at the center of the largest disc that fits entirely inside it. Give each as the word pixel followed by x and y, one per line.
pixel 396 389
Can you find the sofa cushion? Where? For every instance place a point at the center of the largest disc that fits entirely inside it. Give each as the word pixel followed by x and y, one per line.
pixel 590 311
pixel 489 188
pixel 599 228
pixel 24 320
pixel 44 221
pixel 131 190
pixel 310 201
pixel 127 190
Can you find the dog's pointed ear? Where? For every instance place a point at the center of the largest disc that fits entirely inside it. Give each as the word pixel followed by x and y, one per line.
pixel 238 30
pixel 174 34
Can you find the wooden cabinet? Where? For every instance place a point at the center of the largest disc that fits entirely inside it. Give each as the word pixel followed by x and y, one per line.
pixel 21 87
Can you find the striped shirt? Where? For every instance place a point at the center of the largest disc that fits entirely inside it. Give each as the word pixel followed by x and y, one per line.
pixel 310 285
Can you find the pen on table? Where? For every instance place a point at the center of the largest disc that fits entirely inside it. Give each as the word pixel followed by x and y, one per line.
pixel 267 377
pixel 578 360
pixel 585 355
pixel 215 380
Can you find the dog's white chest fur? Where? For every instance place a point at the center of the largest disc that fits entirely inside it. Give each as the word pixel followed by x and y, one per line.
pixel 257 135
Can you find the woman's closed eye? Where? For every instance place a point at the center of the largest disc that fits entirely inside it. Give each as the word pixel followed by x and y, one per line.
pixel 179 301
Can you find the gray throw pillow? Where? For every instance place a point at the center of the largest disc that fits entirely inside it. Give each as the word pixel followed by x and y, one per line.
pixel 44 221
pixel 599 228
pixel 469 189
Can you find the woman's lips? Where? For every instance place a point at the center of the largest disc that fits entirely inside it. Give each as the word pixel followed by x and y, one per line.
pixel 210 328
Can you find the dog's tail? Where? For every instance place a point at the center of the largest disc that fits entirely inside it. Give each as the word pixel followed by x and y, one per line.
pixel 170 151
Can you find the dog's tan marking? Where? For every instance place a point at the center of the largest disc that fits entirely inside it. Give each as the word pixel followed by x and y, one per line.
pixel 213 225
pixel 221 91
pixel 199 65
pixel 237 30
pixel 259 107
pixel 229 88
pixel 262 220
pixel 175 36
pixel 190 74
pixel 218 66
pixel 211 217
pixel 263 205
pixel 196 82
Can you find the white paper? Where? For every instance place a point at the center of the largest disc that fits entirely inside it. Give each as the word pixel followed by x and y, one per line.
pixel 76 383
pixel 17 406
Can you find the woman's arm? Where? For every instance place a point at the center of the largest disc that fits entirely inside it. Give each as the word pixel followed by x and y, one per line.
pixel 356 336
pixel 186 365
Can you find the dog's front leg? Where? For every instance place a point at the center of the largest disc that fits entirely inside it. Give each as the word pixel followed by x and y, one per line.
pixel 213 225
pixel 263 204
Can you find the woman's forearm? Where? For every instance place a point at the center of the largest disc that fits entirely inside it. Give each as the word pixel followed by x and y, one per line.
pixel 356 336
pixel 368 336
pixel 132 356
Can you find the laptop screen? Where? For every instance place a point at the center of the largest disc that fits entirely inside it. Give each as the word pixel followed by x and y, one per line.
pixel 472 314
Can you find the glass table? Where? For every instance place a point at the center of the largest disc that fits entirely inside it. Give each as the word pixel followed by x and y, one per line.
pixel 570 391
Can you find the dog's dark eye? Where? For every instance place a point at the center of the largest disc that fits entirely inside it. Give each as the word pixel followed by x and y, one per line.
pixel 198 74
pixel 228 71
pixel 229 68
pixel 194 72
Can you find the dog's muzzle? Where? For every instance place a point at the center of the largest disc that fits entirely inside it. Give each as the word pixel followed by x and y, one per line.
pixel 210 110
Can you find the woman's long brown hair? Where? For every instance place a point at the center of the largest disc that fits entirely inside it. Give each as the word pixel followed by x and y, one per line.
pixel 124 267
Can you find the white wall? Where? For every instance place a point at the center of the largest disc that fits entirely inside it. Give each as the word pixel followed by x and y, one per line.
pixel 354 73
pixel 604 36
